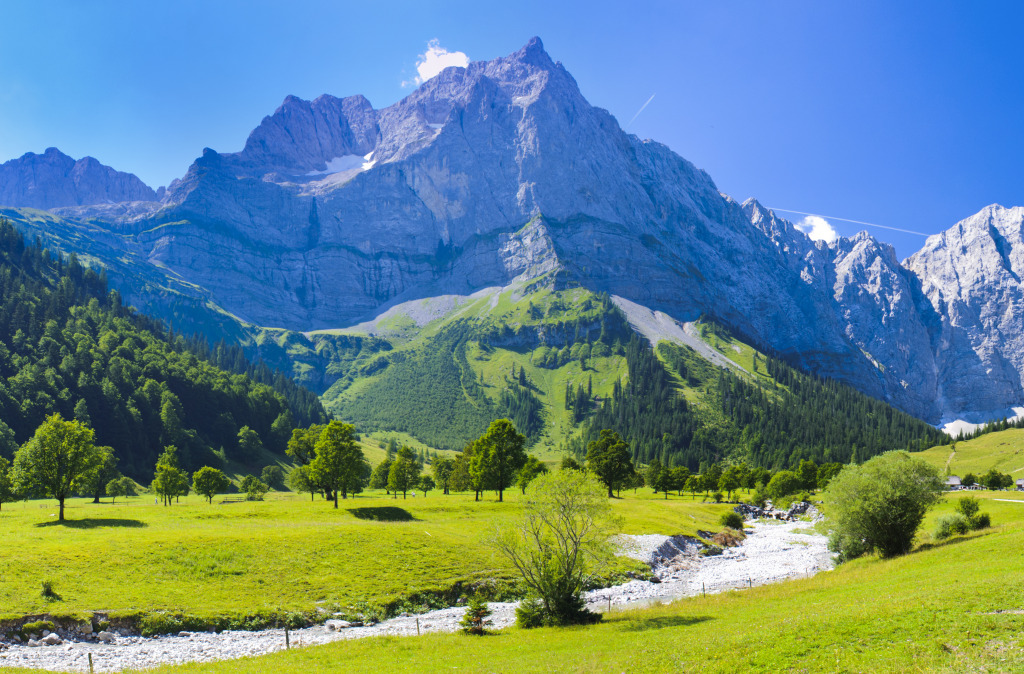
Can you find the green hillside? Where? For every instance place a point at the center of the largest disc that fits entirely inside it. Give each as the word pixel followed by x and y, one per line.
pixel 1001 450
pixel 69 346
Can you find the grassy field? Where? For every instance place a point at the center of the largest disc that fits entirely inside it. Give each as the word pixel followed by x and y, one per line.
pixel 283 554
pixel 955 606
pixel 1003 450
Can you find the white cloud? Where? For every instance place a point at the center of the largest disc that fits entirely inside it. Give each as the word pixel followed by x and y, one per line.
pixel 818 228
pixel 434 60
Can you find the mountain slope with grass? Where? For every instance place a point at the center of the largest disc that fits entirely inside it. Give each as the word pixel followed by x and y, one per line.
pixel 69 346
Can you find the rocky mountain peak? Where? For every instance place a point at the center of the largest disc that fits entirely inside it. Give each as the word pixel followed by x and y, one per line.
pixel 53 179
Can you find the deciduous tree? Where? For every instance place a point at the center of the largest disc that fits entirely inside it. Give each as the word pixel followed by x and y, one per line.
pixel 499 454
pixel 57 459
pixel 209 482
pixel 609 459
pixel 338 458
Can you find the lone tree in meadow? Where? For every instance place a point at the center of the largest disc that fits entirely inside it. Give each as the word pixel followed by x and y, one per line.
pixel 443 469
pixel 879 504
pixel 498 456
pixel 209 482
pixel 608 458
pixel 338 458
pixel 559 546
pixel 57 460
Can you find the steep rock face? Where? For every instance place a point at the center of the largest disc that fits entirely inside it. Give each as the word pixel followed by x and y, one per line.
pixel 333 212
pixel 53 179
pixel 971 275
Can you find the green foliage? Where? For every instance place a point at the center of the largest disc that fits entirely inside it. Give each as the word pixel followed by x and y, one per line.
pixel 68 346
pixel 608 458
pixel 7 489
pixel 969 479
pixel 253 487
pixel 37 627
pixel 57 461
pixel 784 483
pixel 425 484
pixel 121 486
pixel 339 465
pixel 250 447
pixel 880 504
pixel 443 469
pixel 560 543
pixel 209 482
pixel 530 470
pixel 474 620
pixel 273 476
pixel 379 476
pixel 826 472
pixel 403 474
pixel 950 525
pixel 732 520
pixel 968 506
pixel 298 480
pixel 993 479
pixel 499 454
pixel 169 480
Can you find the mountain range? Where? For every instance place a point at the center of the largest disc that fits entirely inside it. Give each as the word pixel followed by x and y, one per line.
pixel 336 217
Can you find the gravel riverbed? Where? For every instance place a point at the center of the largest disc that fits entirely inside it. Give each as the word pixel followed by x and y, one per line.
pixel 773 551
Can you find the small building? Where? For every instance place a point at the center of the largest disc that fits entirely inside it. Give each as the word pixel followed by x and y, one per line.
pixel 953 483
pixel 1020 484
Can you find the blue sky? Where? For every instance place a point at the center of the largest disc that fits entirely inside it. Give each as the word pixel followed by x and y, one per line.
pixel 901 114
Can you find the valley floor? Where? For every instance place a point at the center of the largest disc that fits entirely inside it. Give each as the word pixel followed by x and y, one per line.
pixel 773 551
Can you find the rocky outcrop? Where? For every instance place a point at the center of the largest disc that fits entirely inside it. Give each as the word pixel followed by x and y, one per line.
pixel 333 212
pixel 53 179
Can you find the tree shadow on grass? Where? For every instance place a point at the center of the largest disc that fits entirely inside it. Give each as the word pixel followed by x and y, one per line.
pixel 955 540
pixel 383 514
pixel 661 622
pixel 95 523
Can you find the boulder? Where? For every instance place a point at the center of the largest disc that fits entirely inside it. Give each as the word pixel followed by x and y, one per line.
pixel 106 637
pixel 52 639
pixel 337 625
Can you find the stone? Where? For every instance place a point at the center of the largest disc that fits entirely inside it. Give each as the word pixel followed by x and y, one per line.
pixel 52 639
pixel 337 625
pixel 106 637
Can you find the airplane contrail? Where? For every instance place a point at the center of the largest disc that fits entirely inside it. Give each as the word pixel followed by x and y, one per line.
pixel 640 110
pixel 859 222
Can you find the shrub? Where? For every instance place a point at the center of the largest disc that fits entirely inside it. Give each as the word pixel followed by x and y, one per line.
pixel 949 525
pixel 475 621
pixel 48 593
pixel 718 496
pixel 879 504
pixel 731 520
pixel 530 613
pixel 967 506
pixel 982 521
pixel 783 483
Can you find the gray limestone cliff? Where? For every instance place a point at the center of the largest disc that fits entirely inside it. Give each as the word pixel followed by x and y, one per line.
pixel 53 179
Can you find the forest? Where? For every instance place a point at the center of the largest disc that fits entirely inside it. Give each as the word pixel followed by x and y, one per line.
pixel 70 346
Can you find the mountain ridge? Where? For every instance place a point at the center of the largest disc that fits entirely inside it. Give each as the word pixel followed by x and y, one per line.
pixel 502 171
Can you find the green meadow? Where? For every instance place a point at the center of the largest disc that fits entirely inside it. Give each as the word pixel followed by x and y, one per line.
pixel 285 554
pixel 955 606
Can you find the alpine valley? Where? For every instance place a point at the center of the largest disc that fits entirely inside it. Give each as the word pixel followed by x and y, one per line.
pixel 493 245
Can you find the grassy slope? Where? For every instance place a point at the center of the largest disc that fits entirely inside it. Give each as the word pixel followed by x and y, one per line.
pixel 922 612
pixel 491 366
pixel 1002 450
pixel 283 554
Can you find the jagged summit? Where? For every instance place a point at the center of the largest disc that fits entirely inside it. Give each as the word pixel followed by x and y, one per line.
pixel 334 211
pixel 53 179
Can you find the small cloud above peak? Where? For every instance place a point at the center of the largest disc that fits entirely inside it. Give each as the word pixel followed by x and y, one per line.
pixel 431 62
pixel 817 228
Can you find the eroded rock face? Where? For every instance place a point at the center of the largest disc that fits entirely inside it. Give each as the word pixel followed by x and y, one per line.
pixel 53 179
pixel 334 211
